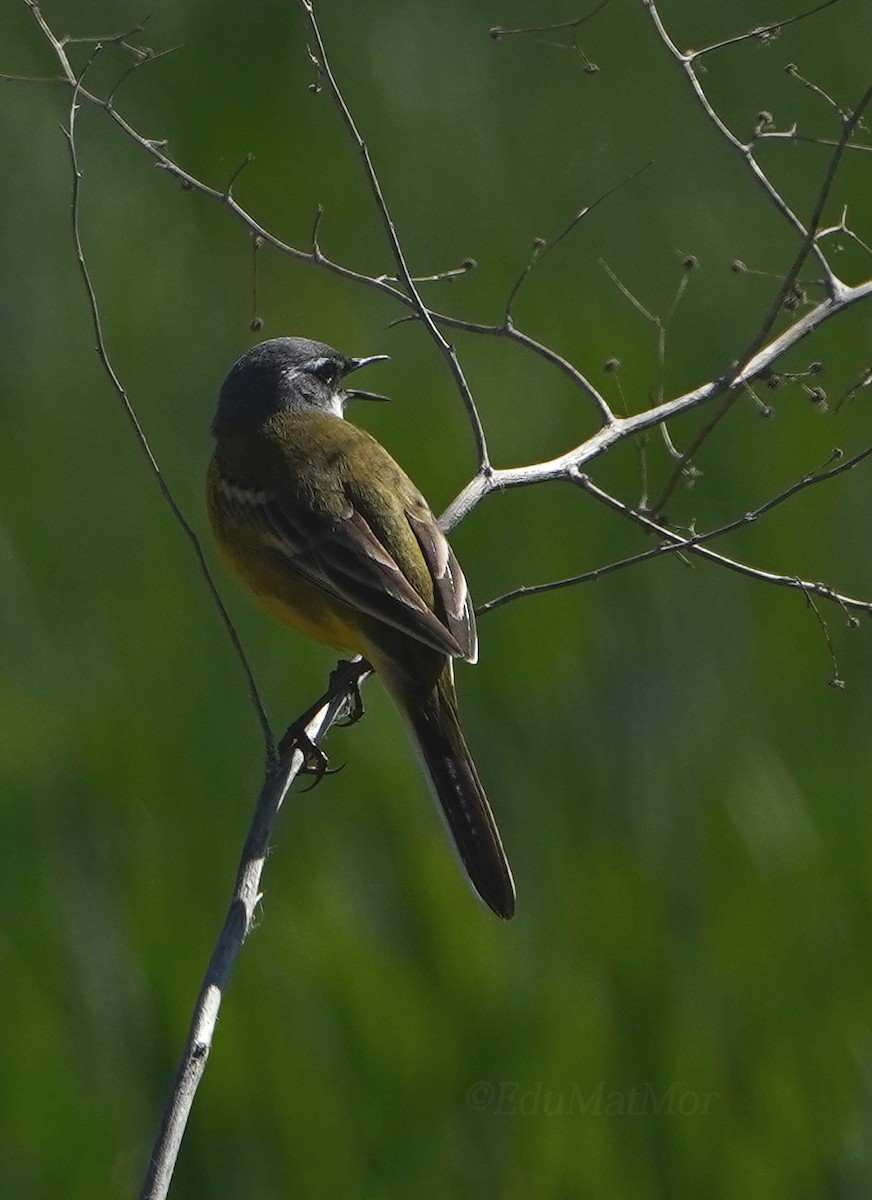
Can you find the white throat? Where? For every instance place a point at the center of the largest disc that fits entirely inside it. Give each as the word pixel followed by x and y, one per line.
pixel 336 405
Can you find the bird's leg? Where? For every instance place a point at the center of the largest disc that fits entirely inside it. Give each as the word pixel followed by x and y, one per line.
pixel 347 677
pixel 347 674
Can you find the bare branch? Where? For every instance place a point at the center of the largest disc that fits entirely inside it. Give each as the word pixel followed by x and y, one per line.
pixel 499 31
pixel 310 728
pixel 692 545
pixel 835 680
pixel 745 150
pixel 139 433
pixel 104 39
pixel 481 485
pixel 622 427
pixel 762 32
pixel 4 78
pixel 420 308
pixel 835 287
pixel 843 229
pixel 661 324
pixel 864 381
pixel 793 71
pixel 681 542
pixel 792 135
pixel 256 323
pixel 541 248
pixel 468 264
pixel 246 162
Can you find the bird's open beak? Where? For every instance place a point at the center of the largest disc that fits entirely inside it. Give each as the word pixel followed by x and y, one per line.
pixel 356 364
pixel 358 394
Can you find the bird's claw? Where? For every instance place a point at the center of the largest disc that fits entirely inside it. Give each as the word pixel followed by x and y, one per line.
pixel 315 761
pixel 316 764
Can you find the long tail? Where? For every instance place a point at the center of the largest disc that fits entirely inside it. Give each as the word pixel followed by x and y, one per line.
pixel 461 797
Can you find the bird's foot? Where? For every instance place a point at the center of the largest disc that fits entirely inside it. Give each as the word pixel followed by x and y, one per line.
pixel 315 761
pixel 347 675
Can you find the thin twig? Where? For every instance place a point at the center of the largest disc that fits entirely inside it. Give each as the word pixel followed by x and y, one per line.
pixel 139 433
pixel 793 71
pixel 4 78
pixel 744 150
pixel 541 248
pixel 420 308
pixel 105 39
pixel 623 427
pixel 792 135
pixel 835 679
pixel 449 276
pixel 808 233
pixel 499 31
pixel 681 542
pixel 480 486
pixel 762 31
pixel 661 324
pixel 691 545
pixel 844 229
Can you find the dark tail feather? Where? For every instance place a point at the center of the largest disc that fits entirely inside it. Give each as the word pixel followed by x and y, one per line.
pixel 461 797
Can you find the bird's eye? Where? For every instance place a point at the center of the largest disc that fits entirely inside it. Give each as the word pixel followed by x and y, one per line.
pixel 326 370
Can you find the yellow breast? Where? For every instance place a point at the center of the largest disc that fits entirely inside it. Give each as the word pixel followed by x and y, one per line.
pixel 281 590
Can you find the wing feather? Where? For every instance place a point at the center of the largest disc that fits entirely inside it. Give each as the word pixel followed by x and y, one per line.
pixel 342 555
pixel 448 581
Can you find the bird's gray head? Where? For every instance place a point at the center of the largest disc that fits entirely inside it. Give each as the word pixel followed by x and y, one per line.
pixel 288 375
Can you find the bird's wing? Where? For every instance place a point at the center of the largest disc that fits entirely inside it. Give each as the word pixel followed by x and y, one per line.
pixel 341 554
pixel 448 581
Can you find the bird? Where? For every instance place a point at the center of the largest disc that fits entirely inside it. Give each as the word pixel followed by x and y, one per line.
pixel 330 535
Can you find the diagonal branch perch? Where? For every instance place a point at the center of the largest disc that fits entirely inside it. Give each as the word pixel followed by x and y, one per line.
pixel 314 725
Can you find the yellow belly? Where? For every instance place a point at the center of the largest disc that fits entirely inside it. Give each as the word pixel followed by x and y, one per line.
pixel 289 596
pixel 319 623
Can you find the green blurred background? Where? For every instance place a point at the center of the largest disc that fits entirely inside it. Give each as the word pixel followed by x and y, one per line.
pixel 683 1005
